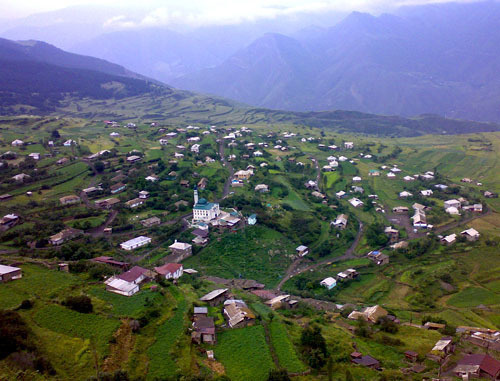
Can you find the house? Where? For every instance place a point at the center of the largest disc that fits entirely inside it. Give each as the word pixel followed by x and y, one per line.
pixel 114 135
pixel 238 314
pixel 357 189
pixel 8 221
pixel 318 195
pixel 311 184
pixel 348 145
pixel 356 179
pixel 135 243
pixel 170 270
pixel 434 326
pixel 34 155
pixel 69 143
pixel 449 239
pixel 453 211
pixel 392 233
pixel 368 361
pixel 441 186
pixel 71 199
pixel 121 287
pixel 408 178
pixel 107 203
pixel 8 273
pixel 329 283
pixel 400 209
pixel 134 203
pixel 252 219
pixel 163 142
pixel 476 208
pixel 91 190
pixel 203 329
pixel 478 366
pixel 201 236
pixel 133 159
pixel 340 194
pixel 370 314
pixel 62 161
pixel 262 188
pixel 302 250
pixel 135 275
pixel 258 154
pixel 143 195
pixel 204 210
pixel 471 234
pixel 202 184
pixel 195 148
pixel 153 221
pixel 181 249
pixel 347 274
pixel 443 347
pixel 419 219
pixel 378 258
pixel 17 143
pixel 340 222
pixel 117 188
pixel 64 235
pixel 411 356
pixel 21 177
pixel 356 202
pixel 243 174
pixel 426 192
pixel 489 194
pixel 215 297
pixel 405 194
pixel 111 262
pixel 391 175
pixel 373 172
pixel 152 178
pixel 281 301
pixel 5 197
pixel 452 204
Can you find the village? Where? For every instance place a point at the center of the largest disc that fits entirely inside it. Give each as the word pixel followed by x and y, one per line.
pixel 254 230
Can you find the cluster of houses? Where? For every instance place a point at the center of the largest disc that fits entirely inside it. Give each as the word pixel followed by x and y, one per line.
pixel 344 276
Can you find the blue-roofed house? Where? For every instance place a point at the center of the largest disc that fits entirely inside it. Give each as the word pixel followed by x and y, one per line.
pixel 252 220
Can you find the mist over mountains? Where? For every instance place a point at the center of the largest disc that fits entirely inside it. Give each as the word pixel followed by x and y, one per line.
pixel 442 59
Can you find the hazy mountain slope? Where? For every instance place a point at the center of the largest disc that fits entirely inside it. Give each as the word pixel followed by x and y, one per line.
pixel 42 52
pixel 428 61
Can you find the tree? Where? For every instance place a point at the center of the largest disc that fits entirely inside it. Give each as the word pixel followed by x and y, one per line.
pixel 79 303
pixel 55 134
pixel 314 347
pixel 99 166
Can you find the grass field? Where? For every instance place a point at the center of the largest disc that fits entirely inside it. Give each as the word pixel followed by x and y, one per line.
pixel 474 296
pixel 37 282
pixel 284 348
pixel 256 253
pixel 160 353
pixel 244 354
pixel 71 323
pixel 123 306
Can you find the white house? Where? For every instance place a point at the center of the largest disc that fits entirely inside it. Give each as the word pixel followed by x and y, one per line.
pixel 114 135
pixel 391 175
pixel 348 145
pixel 152 178
pixel 426 192
pixel 356 179
pixel 34 155
pixel 163 142
pixel 135 243
pixel 17 143
pixel 356 202
pixel 195 148
pixel 405 194
pixel 69 143
pixel 452 203
pixel 257 154
pixel 120 286
pixel 408 178
pixel 170 270
pixel 342 158
pixel 329 283
pixel 471 234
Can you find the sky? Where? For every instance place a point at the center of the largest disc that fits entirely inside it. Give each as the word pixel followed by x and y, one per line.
pixel 133 13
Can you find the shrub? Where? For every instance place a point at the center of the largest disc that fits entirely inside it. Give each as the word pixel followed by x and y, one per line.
pixel 79 303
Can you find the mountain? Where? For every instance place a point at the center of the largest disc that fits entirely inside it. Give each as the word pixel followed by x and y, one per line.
pixel 438 59
pixel 38 78
pixel 36 74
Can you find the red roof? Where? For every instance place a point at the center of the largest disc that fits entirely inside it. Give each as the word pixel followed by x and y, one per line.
pixel 168 268
pixel 486 363
pixel 133 274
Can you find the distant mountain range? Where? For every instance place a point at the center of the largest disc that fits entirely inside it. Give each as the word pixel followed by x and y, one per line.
pixel 441 59
pixel 38 78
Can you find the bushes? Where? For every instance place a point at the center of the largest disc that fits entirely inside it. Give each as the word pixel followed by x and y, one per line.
pixel 14 334
pixel 81 304
pixel 313 347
